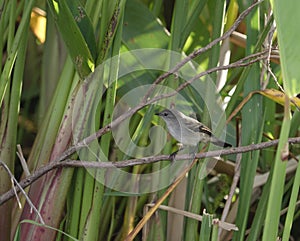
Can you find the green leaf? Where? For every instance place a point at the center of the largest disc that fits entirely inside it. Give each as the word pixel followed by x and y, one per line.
pixel 287 20
pixel 206 227
pixel 73 37
pixel 277 184
pixel 85 25
pixel 141 29
pixel 292 206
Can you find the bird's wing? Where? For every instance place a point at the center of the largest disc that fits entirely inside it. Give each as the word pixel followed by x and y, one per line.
pixel 196 126
pixel 205 129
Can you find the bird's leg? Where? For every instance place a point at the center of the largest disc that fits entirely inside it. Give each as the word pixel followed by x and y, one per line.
pixel 193 150
pixel 173 155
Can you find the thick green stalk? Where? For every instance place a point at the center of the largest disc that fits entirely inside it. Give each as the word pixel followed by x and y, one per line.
pixel 278 177
pixel 290 75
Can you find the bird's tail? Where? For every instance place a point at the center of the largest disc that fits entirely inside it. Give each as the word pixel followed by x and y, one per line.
pixel 220 143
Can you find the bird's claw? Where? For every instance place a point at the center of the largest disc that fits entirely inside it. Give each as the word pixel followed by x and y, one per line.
pixel 173 155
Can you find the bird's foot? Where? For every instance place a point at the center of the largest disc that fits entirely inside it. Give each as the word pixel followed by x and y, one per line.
pixel 173 155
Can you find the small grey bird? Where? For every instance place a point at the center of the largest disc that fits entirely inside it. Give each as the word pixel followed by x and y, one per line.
pixel 187 130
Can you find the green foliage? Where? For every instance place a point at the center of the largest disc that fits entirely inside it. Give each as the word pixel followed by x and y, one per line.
pixel 82 77
pixel 77 34
pixel 287 39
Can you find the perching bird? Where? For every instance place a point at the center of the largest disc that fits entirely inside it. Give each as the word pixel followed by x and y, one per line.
pixel 187 130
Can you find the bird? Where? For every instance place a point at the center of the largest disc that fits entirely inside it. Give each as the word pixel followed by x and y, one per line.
pixel 188 131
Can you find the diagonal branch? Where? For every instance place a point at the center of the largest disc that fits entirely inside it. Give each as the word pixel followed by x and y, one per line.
pixel 18 188
pixel 146 102
pixel 248 60
pixel 59 161
pixel 197 52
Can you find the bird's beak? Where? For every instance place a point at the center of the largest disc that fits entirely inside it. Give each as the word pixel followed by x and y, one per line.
pixel 157 113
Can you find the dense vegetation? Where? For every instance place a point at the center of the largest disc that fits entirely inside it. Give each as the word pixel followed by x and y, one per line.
pixel 80 84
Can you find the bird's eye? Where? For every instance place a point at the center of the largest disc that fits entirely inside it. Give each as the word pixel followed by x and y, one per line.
pixel 165 114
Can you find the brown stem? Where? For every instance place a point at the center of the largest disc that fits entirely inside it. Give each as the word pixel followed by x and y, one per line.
pixel 132 162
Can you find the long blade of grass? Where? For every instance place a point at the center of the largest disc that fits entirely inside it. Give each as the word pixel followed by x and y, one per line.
pixel 9 139
pixel 276 191
pixel 292 206
pixel 206 227
pixel 290 82
pixel 73 37
pixel 5 75
pixel 287 39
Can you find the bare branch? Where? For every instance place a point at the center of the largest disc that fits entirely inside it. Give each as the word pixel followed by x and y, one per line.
pixel 58 162
pixel 234 184
pixel 240 63
pixel 197 52
pixel 19 188
pixel 153 159
pixel 22 160
pixel 146 102
pixel 73 163
pixel 133 162
pixel 222 224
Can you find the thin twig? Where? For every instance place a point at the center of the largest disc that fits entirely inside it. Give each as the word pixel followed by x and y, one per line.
pixel 235 180
pixel 285 210
pixel 146 102
pixel 221 224
pixel 27 181
pixel 22 160
pixel 158 202
pixel 19 188
pixel 15 192
pixel 153 159
pixel 133 162
pixel 240 63
pixel 197 52
pixel 268 66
